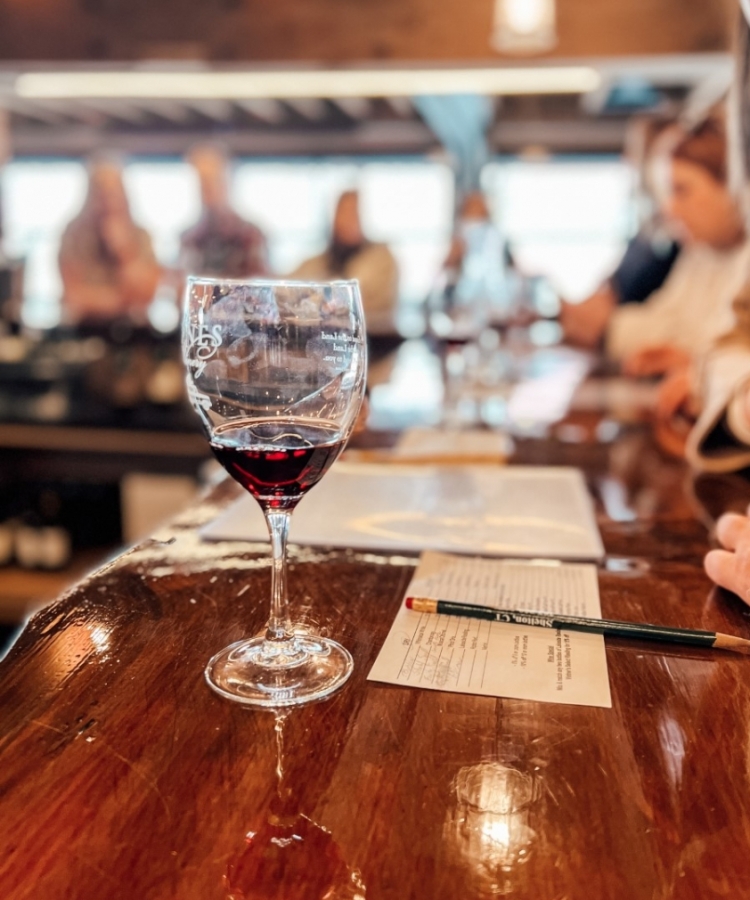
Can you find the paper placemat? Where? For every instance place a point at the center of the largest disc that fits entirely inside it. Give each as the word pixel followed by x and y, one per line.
pixel 516 511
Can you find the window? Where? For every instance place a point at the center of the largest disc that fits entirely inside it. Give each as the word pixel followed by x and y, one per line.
pixel 567 220
pixel 39 199
pixel 408 204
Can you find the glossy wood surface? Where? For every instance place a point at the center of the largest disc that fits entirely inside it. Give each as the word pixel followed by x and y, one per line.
pixel 123 776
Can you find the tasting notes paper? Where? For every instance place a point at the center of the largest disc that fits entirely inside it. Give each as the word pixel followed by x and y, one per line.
pixel 473 656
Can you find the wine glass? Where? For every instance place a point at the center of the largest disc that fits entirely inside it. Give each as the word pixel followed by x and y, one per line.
pixel 276 372
pixel 457 314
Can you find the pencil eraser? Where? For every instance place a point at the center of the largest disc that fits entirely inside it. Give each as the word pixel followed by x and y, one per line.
pixel 409 601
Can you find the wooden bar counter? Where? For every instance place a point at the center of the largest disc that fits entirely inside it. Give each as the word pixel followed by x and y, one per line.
pixel 123 776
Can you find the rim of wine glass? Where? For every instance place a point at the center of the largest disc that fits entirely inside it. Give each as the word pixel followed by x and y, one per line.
pixel 267 282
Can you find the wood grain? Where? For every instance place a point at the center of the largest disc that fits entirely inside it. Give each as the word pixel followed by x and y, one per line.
pixel 338 31
pixel 124 776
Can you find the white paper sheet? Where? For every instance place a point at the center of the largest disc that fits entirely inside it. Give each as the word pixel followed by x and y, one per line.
pixel 439 444
pixel 515 511
pixel 472 656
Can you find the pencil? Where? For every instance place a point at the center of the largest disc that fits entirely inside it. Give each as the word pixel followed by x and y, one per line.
pixel 637 630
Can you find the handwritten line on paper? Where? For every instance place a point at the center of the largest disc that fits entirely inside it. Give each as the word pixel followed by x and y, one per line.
pixel 471 656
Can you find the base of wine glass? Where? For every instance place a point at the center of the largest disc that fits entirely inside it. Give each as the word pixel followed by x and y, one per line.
pixel 257 672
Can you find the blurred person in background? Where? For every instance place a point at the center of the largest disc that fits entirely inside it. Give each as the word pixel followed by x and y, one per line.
pixel 703 410
pixel 107 262
pixel 694 306
pixel 653 251
pixel 649 255
pixel 473 286
pixel 472 212
pixel 221 243
pixel 351 255
pixel 729 565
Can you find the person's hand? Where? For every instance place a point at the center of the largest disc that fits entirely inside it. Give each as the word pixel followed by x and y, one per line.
pixel 730 567
pixel 675 395
pixel 656 361
pixel 674 413
pixel 584 323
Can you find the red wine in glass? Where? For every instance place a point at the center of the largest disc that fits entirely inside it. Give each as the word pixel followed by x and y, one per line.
pixel 277 459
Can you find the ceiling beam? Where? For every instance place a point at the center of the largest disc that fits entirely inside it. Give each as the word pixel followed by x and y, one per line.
pixel 311 108
pixel 269 111
pixel 220 111
pixel 565 135
pixel 370 137
pixel 355 107
pixel 171 110
pixel 133 113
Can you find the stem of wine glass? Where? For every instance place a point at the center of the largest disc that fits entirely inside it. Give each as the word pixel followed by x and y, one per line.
pixel 279 627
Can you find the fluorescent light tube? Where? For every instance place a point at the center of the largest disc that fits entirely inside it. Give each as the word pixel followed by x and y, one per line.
pixel 281 85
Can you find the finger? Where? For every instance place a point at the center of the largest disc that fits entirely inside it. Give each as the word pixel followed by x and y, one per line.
pixel 653 364
pixel 732 529
pixel 670 398
pixel 643 362
pixel 723 568
pixel 632 365
pixel 670 439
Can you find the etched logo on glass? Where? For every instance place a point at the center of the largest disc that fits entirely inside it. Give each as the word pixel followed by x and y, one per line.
pixel 202 344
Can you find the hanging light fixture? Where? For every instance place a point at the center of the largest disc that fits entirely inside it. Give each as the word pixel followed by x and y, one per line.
pixel 524 26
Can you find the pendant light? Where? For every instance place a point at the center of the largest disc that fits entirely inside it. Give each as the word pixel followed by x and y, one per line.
pixel 524 26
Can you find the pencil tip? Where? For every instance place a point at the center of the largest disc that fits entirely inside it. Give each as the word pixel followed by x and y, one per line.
pixel 730 642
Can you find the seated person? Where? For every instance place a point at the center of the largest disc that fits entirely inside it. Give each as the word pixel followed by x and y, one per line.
pixel 475 284
pixel 221 243
pixel 107 262
pixel 694 306
pixel 649 255
pixel 472 213
pixel 645 266
pixel 729 567
pixel 351 255
pixel 703 411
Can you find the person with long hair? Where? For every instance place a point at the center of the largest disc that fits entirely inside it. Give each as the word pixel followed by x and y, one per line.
pixel 107 262
pixel 729 564
pixel 694 306
pixel 351 255
pixel 221 243
pixel 649 255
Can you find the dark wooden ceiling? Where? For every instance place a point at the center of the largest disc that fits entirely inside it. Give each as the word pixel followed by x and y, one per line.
pixel 342 30
pixel 673 46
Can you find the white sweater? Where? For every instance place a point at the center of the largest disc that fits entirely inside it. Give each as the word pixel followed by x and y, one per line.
pixel 724 381
pixel 691 310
